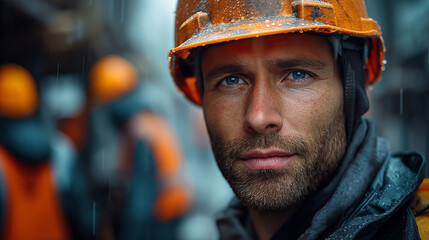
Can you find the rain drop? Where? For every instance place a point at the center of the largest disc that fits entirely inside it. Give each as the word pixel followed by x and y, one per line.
pixel 401 101
pixel 123 11
pixel 93 219
pixel 110 189
pixel 103 158
pixel 83 67
pixel 58 69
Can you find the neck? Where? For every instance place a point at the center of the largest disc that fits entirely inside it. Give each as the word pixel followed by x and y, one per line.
pixel 266 224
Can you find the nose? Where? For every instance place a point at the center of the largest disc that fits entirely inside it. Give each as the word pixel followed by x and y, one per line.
pixel 263 115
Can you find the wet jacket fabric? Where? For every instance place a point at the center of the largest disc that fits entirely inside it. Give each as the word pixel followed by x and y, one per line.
pixel 366 199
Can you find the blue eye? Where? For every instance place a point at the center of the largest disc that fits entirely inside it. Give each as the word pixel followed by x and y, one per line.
pixel 298 75
pixel 231 81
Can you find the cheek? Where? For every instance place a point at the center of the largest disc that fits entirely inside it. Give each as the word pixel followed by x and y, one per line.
pixel 329 108
pixel 222 119
pixel 310 112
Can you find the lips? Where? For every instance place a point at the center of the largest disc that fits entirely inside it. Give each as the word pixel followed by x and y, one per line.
pixel 265 159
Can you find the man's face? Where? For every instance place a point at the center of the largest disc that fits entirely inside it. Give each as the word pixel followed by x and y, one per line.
pixel 274 112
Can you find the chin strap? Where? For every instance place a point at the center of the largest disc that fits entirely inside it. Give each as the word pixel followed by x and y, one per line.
pixel 351 55
pixel 356 101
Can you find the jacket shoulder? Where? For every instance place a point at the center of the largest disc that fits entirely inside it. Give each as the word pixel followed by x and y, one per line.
pixel 383 213
pixel 412 160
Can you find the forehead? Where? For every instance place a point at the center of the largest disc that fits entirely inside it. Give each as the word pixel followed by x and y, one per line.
pixel 293 45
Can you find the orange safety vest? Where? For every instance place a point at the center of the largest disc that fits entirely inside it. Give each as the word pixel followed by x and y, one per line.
pixel 75 128
pixel 422 216
pixel 32 205
pixel 174 196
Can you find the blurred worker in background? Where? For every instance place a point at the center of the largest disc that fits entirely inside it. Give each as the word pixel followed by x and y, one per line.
pixel 43 193
pixel 128 152
pixel 283 90
pixel 132 156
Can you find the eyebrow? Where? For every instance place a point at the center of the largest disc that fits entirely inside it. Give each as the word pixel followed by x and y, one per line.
pixel 277 63
pixel 312 63
pixel 227 68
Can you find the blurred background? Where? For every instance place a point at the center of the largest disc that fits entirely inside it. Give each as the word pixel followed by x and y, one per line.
pixel 94 87
pixel 400 102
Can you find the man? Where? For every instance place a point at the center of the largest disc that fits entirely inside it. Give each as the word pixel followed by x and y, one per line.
pixel 282 87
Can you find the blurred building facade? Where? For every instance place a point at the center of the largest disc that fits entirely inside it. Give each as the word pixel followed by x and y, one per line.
pixel 400 101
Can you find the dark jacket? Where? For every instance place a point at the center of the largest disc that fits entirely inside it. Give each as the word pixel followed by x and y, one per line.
pixel 367 198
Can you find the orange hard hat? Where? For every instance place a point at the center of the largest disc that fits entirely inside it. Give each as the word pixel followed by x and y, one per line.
pixel 204 22
pixel 18 92
pixel 111 78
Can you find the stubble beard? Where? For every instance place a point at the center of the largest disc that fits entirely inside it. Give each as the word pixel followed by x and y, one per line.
pixel 314 164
